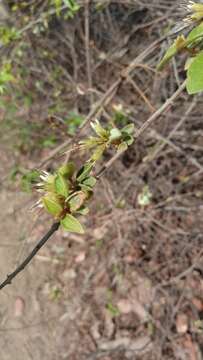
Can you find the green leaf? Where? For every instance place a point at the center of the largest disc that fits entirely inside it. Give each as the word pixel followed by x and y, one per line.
pixel 90 181
pixel 195 75
pixel 178 45
pixel 100 131
pixel 84 172
pixel 58 4
pixel 196 34
pixel 130 140
pixel 49 183
pixel 71 224
pixel 97 154
pixel 67 170
pixel 83 210
pixel 122 147
pixel 188 63
pixel 115 134
pixel 129 129
pixel 76 201
pixel 52 205
pixel 61 185
pixel 86 189
pixel 91 142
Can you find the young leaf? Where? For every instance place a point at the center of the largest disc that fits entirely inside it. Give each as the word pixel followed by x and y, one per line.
pixel 52 205
pixel 97 154
pixel 90 142
pixel 61 185
pixel 77 201
pixel 70 223
pixel 129 129
pixel 122 147
pixel 49 182
pixel 90 181
pixel 84 172
pixel 115 134
pixel 67 170
pixel 100 131
pixel 86 189
pixel 195 75
pixel 58 4
pixel 178 45
pixel 196 34
pixel 129 140
pixel 83 210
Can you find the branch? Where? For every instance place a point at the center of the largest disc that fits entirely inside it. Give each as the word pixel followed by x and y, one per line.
pixel 169 102
pixel 55 226
pixel 21 267
pixel 105 100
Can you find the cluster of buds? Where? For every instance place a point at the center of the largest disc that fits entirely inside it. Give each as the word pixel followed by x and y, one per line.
pixel 65 194
pixel 120 139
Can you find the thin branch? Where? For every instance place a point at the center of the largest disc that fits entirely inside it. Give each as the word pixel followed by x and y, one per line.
pixel 55 226
pixel 105 99
pixel 146 125
pixel 162 109
pixel 27 260
pixel 87 49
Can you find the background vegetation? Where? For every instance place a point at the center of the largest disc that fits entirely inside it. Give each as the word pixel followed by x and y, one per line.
pixel 131 286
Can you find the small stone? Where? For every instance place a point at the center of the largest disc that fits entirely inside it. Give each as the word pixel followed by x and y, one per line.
pixel 19 307
pixel 182 323
pixel 124 306
pixel 99 233
pixel 69 274
pixel 80 257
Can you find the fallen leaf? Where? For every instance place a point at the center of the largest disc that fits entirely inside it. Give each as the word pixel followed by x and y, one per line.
pixel 80 257
pixel 197 303
pixel 190 346
pixel 181 323
pixel 19 306
pixel 124 306
pixel 139 310
pixel 140 345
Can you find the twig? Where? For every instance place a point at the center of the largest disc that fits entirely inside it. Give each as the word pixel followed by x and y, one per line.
pixel 146 125
pixel 87 49
pixel 157 113
pixel 21 267
pixel 55 226
pixel 105 99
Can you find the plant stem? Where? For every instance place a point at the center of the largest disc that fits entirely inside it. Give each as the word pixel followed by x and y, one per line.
pixel 145 126
pixel 55 226
pixel 27 260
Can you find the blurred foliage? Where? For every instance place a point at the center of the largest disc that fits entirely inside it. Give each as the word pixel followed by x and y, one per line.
pixel 192 45
pixel 39 86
